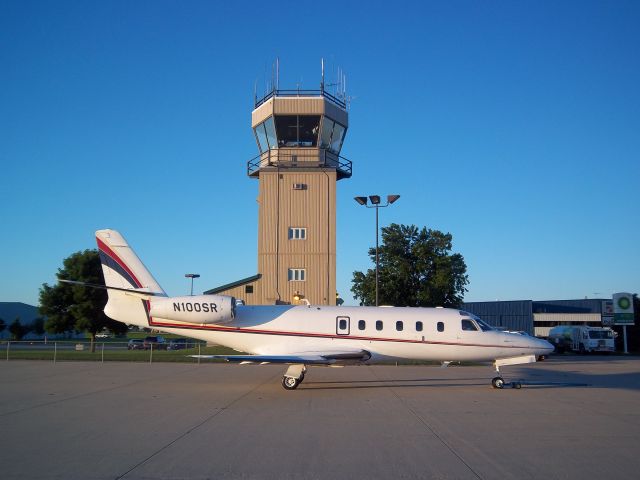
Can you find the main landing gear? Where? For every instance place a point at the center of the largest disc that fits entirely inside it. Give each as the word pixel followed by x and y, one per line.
pixel 293 377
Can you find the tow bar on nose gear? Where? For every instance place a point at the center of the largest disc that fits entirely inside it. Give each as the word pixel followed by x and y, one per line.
pixel 498 382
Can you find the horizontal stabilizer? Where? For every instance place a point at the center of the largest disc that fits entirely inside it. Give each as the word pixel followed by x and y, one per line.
pixel 138 293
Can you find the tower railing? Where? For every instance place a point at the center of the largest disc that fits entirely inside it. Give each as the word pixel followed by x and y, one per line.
pixel 301 93
pixel 320 158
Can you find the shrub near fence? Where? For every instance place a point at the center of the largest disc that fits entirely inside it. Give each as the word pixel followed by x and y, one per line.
pixel 103 352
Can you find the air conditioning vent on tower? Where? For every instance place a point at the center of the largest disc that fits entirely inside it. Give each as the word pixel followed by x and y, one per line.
pixel 299 186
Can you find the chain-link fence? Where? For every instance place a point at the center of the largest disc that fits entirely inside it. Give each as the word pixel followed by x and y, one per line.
pixel 104 351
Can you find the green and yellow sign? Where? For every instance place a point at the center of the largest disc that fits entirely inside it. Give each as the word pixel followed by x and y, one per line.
pixel 622 309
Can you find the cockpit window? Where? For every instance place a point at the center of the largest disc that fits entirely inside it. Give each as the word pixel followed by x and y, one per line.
pixel 483 325
pixel 468 325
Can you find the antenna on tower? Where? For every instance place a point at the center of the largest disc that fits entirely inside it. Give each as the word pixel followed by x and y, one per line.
pixel 277 73
pixel 322 80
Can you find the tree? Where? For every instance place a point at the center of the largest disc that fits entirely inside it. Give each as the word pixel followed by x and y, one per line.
pixel 2 325
pixel 417 269
pixel 18 330
pixel 75 307
pixel 38 326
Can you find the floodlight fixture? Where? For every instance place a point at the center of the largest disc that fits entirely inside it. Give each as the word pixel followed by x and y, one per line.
pixel 375 203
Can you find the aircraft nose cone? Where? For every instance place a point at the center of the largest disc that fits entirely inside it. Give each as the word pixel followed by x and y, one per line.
pixel 544 347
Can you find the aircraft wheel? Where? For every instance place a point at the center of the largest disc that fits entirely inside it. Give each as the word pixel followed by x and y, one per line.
pixel 301 379
pixel 517 385
pixel 290 383
pixel 497 382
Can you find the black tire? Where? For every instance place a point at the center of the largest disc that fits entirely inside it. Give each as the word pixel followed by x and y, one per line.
pixel 497 382
pixel 290 383
pixel 581 349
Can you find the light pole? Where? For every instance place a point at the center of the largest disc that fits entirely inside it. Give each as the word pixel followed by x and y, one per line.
pixel 375 203
pixel 192 276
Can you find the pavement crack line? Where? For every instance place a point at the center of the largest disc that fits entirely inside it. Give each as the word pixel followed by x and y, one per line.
pixel 218 411
pixel 428 426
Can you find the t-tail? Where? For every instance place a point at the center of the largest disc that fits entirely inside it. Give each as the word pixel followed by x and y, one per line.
pixel 129 284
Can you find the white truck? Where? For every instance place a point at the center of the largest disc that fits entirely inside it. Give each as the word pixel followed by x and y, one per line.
pixel 582 339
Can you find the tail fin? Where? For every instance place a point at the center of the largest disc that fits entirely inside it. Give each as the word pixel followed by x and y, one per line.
pixel 123 269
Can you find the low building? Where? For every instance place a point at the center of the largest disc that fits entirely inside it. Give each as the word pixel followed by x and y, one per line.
pixel 538 317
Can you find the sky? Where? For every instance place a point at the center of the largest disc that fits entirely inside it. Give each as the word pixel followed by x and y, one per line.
pixel 513 125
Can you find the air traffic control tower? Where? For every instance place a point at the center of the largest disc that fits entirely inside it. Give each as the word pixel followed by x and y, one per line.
pixel 299 134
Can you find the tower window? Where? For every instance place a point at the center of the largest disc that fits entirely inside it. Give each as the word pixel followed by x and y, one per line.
pixel 248 289
pixel 297 130
pixel 332 135
pixel 297 274
pixel 297 233
pixel 266 135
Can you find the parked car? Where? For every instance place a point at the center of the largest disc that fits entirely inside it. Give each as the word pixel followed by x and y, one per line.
pixel 135 344
pixel 178 344
pixel 158 342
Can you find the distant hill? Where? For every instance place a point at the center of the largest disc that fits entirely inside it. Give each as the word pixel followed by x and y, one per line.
pixel 10 310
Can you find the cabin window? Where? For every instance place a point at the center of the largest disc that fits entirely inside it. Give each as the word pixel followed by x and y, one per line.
pixel 418 326
pixel 399 326
pixel 469 326
pixel 440 327
pixel 361 324
pixel 378 325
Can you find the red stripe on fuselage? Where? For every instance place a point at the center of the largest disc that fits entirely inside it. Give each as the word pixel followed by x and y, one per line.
pixel 321 335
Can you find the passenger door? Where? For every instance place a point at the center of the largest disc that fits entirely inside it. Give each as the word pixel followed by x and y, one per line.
pixel 342 325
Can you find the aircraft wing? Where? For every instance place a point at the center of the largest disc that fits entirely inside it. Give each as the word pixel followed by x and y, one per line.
pixel 307 358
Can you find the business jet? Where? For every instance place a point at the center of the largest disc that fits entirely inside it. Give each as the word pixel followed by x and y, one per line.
pixel 304 335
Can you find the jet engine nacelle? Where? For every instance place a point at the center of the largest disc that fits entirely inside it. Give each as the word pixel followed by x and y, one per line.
pixel 200 309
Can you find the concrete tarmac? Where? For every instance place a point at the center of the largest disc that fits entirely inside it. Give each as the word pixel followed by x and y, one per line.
pixel 575 417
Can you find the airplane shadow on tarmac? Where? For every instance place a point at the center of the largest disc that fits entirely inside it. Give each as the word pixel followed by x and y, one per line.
pixel 339 385
pixel 430 383
pixel 539 378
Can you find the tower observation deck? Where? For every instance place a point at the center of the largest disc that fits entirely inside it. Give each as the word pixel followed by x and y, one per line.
pixel 299 129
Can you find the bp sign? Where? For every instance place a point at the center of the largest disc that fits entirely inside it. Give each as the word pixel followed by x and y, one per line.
pixel 622 309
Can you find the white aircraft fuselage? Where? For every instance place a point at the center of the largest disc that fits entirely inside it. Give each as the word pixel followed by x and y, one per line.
pixel 305 334
pixel 278 329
